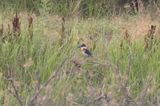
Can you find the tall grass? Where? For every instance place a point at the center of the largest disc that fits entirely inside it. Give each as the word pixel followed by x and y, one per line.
pixel 74 7
pixel 114 75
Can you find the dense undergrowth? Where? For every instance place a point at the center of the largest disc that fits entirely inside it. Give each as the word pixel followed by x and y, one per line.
pixel 122 71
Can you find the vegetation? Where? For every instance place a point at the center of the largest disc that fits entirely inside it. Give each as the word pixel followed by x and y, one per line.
pixel 41 64
pixel 80 7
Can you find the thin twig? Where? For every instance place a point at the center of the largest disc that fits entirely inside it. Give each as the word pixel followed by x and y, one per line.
pixel 16 94
pixel 122 84
pixel 142 95
pixel 53 75
pixel 98 97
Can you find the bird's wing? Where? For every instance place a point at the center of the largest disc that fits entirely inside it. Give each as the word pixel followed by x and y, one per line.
pixel 87 52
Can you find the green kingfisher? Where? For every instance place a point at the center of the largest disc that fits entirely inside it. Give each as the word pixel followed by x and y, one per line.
pixel 85 50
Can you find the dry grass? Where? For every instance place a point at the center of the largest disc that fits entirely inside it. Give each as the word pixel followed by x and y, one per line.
pixel 46 72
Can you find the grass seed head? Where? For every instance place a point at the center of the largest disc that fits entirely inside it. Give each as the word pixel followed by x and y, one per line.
pixel 149 37
pixel 16 25
pixel 127 37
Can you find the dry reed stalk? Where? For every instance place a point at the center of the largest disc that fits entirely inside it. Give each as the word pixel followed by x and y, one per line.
pixel 62 33
pixel 30 26
pixel 126 39
pixel 16 25
pixel 149 37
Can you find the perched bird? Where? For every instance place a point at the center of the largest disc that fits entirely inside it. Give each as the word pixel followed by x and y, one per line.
pixel 85 51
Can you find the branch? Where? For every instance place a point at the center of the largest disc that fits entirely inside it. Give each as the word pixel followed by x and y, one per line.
pixel 53 75
pixel 102 95
pixel 142 95
pixel 15 93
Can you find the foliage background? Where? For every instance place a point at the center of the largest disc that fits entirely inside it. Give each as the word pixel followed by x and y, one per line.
pixel 119 73
pixel 69 7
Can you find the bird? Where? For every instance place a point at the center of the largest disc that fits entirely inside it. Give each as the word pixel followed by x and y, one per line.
pixel 85 50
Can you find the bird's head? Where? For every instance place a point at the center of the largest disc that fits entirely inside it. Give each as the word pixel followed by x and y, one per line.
pixel 81 45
